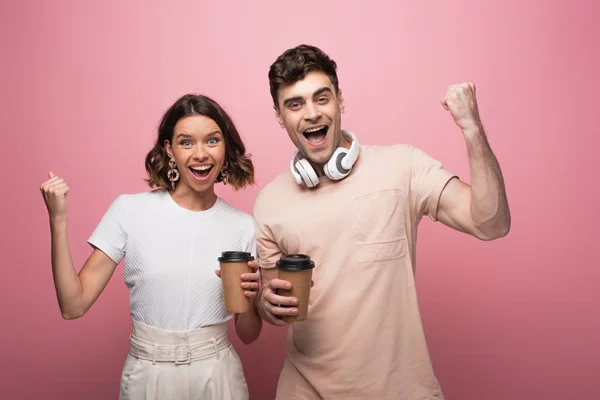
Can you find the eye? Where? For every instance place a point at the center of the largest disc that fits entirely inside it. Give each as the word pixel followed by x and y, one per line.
pixel 213 141
pixel 294 106
pixel 186 143
pixel 323 99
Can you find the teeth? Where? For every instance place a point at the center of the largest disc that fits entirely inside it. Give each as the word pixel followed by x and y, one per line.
pixel 311 130
pixel 201 167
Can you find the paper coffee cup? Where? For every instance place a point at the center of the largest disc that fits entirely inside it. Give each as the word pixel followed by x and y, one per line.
pixel 296 269
pixel 233 265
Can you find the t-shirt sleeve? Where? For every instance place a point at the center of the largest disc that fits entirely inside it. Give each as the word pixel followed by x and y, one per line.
pixel 427 181
pixel 110 236
pixel 267 250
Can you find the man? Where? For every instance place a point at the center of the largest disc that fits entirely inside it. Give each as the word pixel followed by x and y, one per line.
pixel 355 212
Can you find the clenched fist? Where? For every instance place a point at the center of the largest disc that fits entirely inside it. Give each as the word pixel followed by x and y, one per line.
pixel 55 190
pixel 461 101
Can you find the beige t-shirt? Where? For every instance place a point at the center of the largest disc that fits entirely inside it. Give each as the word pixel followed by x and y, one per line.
pixel 363 338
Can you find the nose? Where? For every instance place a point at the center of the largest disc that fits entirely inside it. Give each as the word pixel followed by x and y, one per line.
pixel 313 112
pixel 200 153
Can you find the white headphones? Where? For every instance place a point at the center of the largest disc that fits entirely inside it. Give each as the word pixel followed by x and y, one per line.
pixel 337 167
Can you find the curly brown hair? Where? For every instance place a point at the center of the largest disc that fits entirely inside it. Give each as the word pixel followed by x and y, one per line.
pixel 294 64
pixel 240 170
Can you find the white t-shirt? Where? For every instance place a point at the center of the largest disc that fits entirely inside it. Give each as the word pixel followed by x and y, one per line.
pixel 171 256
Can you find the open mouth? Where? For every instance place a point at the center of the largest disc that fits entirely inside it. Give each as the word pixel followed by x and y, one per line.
pixel 317 134
pixel 201 171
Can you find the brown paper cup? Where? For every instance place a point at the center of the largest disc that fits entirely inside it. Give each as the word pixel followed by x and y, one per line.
pixel 233 265
pixel 296 269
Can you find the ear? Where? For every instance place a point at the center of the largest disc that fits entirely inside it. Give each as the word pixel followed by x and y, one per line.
pixel 278 117
pixel 341 101
pixel 169 149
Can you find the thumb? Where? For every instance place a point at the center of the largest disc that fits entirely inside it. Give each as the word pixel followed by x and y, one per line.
pixel 218 272
pixel 51 174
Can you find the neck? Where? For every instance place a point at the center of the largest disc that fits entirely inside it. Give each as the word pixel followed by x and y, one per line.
pixel 189 199
pixel 318 168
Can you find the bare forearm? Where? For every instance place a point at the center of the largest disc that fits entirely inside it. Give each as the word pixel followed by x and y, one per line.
pixel 489 205
pixel 66 281
pixel 248 326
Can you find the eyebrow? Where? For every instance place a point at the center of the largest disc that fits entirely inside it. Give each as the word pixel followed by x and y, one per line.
pixel 321 91
pixel 187 136
pixel 299 98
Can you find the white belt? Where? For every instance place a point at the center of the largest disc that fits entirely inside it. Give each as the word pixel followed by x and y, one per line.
pixel 178 354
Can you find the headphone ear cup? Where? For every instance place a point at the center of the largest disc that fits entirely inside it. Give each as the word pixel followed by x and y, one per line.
pixel 307 172
pixel 295 173
pixel 333 168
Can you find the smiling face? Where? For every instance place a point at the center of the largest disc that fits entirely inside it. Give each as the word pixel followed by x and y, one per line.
pixel 310 110
pixel 198 147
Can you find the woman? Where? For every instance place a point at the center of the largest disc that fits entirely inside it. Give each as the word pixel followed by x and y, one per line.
pixel 170 239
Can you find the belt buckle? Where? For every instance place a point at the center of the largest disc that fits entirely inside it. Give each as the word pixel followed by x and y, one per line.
pixel 188 352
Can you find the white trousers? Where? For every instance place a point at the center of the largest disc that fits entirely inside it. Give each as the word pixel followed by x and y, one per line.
pixel 190 365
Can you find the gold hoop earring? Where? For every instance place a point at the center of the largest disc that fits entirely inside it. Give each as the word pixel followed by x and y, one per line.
pixel 173 173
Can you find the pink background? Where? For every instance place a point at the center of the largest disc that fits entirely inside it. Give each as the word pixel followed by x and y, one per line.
pixel 84 86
